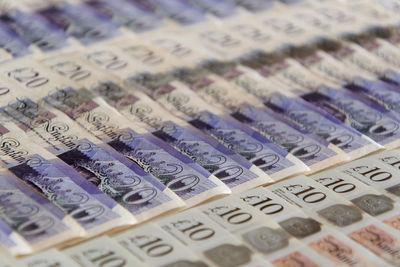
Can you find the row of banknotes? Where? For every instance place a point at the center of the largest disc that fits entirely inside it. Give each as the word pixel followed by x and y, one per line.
pixel 113 113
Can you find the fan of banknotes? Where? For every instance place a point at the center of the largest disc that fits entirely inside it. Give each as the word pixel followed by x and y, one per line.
pixel 195 133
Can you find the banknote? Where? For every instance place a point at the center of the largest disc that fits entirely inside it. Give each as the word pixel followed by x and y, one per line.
pixel 235 171
pixel 304 115
pixel 230 167
pixel 315 153
pixel 363 115
pixel 209 240
pixel 379 171
pixel 12 242
pixel 374 12
pixel 184 177
pixel 240 133
pixel 42 37
pixel 322 124
pixel 142 194
pixel 60 183
pixel 263 235
pixel 102 251
pixel 356 80
pixel 156 247
pixel 319 202
pixel 11 45
pixel 78 21
pixel 220 9
pixel 136 18
pixel 6 260
pixel 358 57
pixel 180 12
pixel 175 173
pixel 254 5
pixel 183 102
pixel 51 257
pixel 323 239
pixel 327 19
pixel 30 215
pixel 382 207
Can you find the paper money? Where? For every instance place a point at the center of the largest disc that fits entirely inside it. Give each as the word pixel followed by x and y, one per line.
pixel 185 178
pixel 127 184
pixel 154 246
pixel 134 17
pixel 137 146
pixel 143 195
pixel 263 235
pixel 11 45
pixel 358 81
pixel 380 125
pixel 226 168
pixel 60 183
pixel 43 37
pixel 80 22
pixel 316 154
pixel 102 251
pixel 323 125
pixel 12 242
pixel 378 171
pixel 355 56
pixel 321 203
pixel 323 239
pixel 209 240
pixel 304 115
pixel 30 215
pixel 130 75
pixel 6 260
pixel 178 11
pixel 382 207
pixel 51 257
pixel 182 102
pixel 222 162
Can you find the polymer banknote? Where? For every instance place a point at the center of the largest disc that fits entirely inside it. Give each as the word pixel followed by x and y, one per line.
pixel 358 81
pixel 378 171
pixel 56 132
pixel 138 18
pixel 6 260
pixel 297 111
pixel 184 177
pixel 280 106
pixel 209 240
pixel 260 151
pixel 319 202
pixel 12 241
pixel 199 147
pixel 51 257
pixel 263 235
pixel 40 35
pixel 102 251
pixel 151 244
pixel 322 238
pixel 229 167
pixel 326 151
pixel 142 194
pixel 382 207
pixel 63 186
pixel 315 141
pixel 343 105
pixel 31 216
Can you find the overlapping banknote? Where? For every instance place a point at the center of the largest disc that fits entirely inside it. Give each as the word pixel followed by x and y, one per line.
pixel 199 133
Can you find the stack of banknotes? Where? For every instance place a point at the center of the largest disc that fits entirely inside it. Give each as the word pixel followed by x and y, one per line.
pixel 194 133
